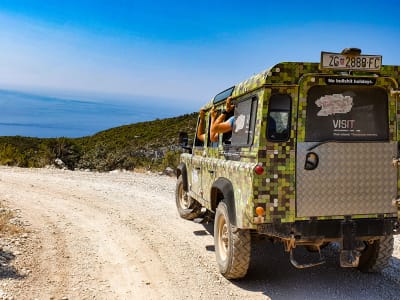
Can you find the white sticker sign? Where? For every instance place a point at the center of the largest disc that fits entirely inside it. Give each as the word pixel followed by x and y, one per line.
pixel 334 104
pixel 239 123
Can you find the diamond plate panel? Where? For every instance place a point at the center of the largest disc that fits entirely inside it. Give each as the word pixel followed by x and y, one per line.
pixel 351 178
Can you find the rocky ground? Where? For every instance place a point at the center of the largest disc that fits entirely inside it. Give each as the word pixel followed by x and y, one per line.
pixel 82 235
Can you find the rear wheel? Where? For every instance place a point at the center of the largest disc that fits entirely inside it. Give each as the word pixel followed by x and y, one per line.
pixel 188 208
pixel 375 257
pixel 232 245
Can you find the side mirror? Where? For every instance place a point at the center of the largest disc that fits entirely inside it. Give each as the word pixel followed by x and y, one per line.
pixel 184 141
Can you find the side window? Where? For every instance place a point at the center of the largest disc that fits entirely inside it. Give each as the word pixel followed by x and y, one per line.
pixel 278 123
pixel 200 130
pixel 211 144
pixel 244 120
pixel 227 136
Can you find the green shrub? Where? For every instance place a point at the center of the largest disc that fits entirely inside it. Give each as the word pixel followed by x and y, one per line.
pixel 140 145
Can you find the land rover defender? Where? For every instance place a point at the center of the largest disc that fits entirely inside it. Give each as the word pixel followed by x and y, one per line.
pixel 312 159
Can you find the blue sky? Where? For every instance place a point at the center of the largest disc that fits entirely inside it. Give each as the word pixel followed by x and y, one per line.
pixel 186 51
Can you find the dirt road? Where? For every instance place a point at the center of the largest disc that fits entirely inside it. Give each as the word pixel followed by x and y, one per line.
pixel 118 236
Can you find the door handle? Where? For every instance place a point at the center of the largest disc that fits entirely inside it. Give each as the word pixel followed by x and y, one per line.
pixel 312 161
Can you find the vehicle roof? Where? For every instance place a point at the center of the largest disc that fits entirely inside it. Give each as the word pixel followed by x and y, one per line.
pixel 290 73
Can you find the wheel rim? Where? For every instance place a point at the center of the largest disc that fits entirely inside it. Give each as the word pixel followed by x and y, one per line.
pixel 184 201
pixel 223 238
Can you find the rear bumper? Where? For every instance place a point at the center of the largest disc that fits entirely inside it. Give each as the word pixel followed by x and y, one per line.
pixel 331 229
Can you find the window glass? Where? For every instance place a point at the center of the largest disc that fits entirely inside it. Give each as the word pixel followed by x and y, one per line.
pixel 278 123
pixel 243 125
pixel 339 113
pixel 223 95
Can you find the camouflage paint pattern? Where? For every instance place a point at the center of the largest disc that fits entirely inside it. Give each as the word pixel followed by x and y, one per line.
pixel 394 72
pixel 275 189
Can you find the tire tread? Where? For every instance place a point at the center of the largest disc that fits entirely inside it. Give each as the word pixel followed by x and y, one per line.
pixel 378 256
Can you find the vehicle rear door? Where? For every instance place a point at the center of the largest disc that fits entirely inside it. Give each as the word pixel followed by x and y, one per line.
pixel 346 143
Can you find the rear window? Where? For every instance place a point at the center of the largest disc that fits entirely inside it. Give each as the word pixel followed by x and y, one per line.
pixel 278 124
pixel 341 113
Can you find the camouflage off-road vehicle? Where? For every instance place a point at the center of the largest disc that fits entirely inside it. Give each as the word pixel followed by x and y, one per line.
pixel 313 158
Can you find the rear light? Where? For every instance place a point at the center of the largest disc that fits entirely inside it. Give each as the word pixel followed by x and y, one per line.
pixel 259 170
pixel 260 215
pixel 260 211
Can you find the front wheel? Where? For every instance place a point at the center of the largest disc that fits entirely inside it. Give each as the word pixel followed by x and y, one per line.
pixel 376 255
pixel 232 245
pixel 188 208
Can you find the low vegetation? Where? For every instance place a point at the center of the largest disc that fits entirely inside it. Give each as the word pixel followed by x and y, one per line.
pixel 149 145
pixel 6 226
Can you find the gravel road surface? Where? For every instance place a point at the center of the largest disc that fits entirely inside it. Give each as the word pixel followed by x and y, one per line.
pixel 118 236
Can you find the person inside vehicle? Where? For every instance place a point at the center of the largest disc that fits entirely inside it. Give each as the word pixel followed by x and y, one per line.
pixel 218 124
pixel 221 124
pixel 201 127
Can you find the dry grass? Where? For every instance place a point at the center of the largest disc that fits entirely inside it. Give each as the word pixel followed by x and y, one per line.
pixel 6 227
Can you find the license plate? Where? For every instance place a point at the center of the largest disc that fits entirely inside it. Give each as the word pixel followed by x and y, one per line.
pixel 338 61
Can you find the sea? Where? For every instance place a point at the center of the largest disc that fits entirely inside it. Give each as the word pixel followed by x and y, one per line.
pixel 37 115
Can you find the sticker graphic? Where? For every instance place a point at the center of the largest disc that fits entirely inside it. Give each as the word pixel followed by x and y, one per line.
pixel 239 123
pixel 334 104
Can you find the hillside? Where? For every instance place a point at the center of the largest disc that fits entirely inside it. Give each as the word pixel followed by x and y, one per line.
pixel 151 145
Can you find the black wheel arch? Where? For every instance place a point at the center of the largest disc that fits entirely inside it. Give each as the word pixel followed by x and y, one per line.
pixel 222 190
pixel 181 170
